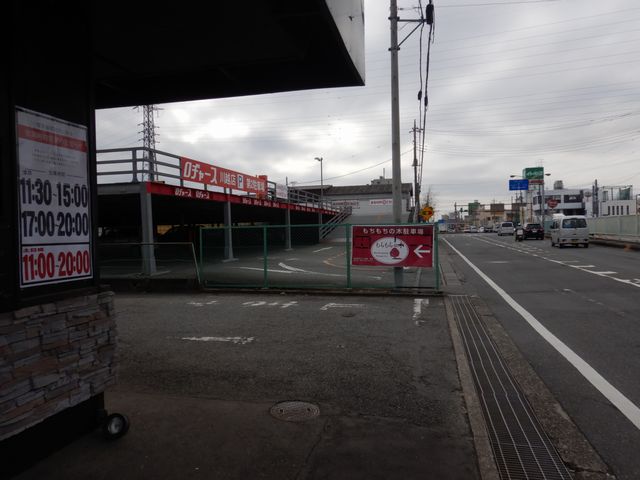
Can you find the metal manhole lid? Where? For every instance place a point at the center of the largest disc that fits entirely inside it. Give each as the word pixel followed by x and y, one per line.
pixel 294 411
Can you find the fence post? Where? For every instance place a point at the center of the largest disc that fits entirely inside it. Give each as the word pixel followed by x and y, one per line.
pixel 264 256
pixel 348 255
pixel 200 260
pixel 436 256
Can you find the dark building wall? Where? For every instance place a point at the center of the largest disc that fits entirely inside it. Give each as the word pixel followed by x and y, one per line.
pixel 57 341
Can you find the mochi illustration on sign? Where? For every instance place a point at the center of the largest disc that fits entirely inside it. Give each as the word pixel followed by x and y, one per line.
pixel 389 250
pixel 392 245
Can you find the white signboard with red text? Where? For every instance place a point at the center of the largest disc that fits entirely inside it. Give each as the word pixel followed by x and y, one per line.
pixel 200 172
pixel 392 245
pixel 54 200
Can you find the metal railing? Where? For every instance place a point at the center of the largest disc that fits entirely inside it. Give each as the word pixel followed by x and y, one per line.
pixel 139 164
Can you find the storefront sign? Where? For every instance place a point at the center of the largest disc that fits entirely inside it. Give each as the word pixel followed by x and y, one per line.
pixel 199 172
pixel 54 200
pixel 396 246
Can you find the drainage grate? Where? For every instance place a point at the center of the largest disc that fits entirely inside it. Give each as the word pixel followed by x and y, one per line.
pixel 521 448
pixel 295 411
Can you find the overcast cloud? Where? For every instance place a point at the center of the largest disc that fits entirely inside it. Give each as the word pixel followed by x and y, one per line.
pixel 512 84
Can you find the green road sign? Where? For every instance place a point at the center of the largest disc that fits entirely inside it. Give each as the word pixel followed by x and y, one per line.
pixel 533 173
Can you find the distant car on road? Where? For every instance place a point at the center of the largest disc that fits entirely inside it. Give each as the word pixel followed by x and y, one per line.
pixel 505 228
pixel 533 230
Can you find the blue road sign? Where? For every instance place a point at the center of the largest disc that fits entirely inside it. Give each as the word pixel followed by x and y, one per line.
pixel 522 184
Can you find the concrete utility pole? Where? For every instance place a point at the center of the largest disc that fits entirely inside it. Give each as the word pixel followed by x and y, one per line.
pixel 396 186
pixel 415 173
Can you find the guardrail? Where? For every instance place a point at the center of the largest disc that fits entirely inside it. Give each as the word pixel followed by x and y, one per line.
pixel 140 164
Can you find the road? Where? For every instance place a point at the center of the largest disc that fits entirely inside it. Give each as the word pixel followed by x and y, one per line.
pixel 587 303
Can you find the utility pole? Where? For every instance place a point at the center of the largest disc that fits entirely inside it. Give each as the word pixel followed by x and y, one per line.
pixel 396 186
pixel 395 118
pixel 415 172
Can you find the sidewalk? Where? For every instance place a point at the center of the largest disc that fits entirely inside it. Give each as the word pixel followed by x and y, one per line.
pixel 381 370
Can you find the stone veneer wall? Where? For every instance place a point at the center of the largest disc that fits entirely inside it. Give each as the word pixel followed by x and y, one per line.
pixel 54 356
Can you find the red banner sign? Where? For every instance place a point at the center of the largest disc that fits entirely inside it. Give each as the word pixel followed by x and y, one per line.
pixel 195 171
pixel 392 245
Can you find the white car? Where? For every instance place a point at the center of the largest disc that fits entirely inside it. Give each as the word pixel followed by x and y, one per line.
pixel 505 228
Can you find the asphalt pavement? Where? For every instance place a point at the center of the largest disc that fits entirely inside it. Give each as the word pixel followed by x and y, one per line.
pixel 200 374
pixel 380 385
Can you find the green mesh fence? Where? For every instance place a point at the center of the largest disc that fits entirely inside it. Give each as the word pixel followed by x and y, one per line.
pixel 175 260
pixel 296 257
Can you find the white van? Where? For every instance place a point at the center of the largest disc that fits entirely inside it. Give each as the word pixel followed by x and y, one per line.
pixel 569 230
pixel 505 228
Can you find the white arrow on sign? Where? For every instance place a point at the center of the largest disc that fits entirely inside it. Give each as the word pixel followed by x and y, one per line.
pixel 418 252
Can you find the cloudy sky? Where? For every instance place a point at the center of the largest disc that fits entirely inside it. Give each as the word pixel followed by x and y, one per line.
pixel 512 84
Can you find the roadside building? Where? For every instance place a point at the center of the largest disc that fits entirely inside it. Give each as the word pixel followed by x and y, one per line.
pixel 615 200
pixel 370 201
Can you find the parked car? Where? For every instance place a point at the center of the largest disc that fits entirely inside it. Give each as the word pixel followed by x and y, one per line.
pixel 505 228
pixel 533 230
pixel 569 230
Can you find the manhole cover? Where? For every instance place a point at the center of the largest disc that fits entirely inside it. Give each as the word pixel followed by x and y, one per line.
pixel 295 411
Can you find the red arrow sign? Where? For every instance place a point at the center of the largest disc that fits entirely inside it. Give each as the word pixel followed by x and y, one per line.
pixel 392 245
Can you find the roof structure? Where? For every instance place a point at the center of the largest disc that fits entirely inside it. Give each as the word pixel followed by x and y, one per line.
pixel 152 52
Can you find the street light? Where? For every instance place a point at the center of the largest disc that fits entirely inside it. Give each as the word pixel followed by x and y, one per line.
pixel 543 206
pixel 521 215
pixel 321 182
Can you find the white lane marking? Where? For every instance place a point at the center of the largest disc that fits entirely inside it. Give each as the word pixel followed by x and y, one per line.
pixel 583 268
pixel 622 403
pixel 236 340
pixel 604 273
pixel 322 249
pixel 500 261
pixel 341 305
pixel 417 309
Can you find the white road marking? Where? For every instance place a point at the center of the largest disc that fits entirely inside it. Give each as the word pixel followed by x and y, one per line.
pixel 236 340
pixel 417 309
pixel 500 261
pixel 341 305
pixel 262 270
pixel 622 403
pixel 202 304
pixel 583 268
pixel 257 303
pixel 300 270
pixel 322 249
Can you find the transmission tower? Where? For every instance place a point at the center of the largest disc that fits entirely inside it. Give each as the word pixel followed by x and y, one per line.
pixel 149 136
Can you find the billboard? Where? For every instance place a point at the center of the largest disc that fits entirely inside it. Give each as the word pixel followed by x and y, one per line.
pixel 199 172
